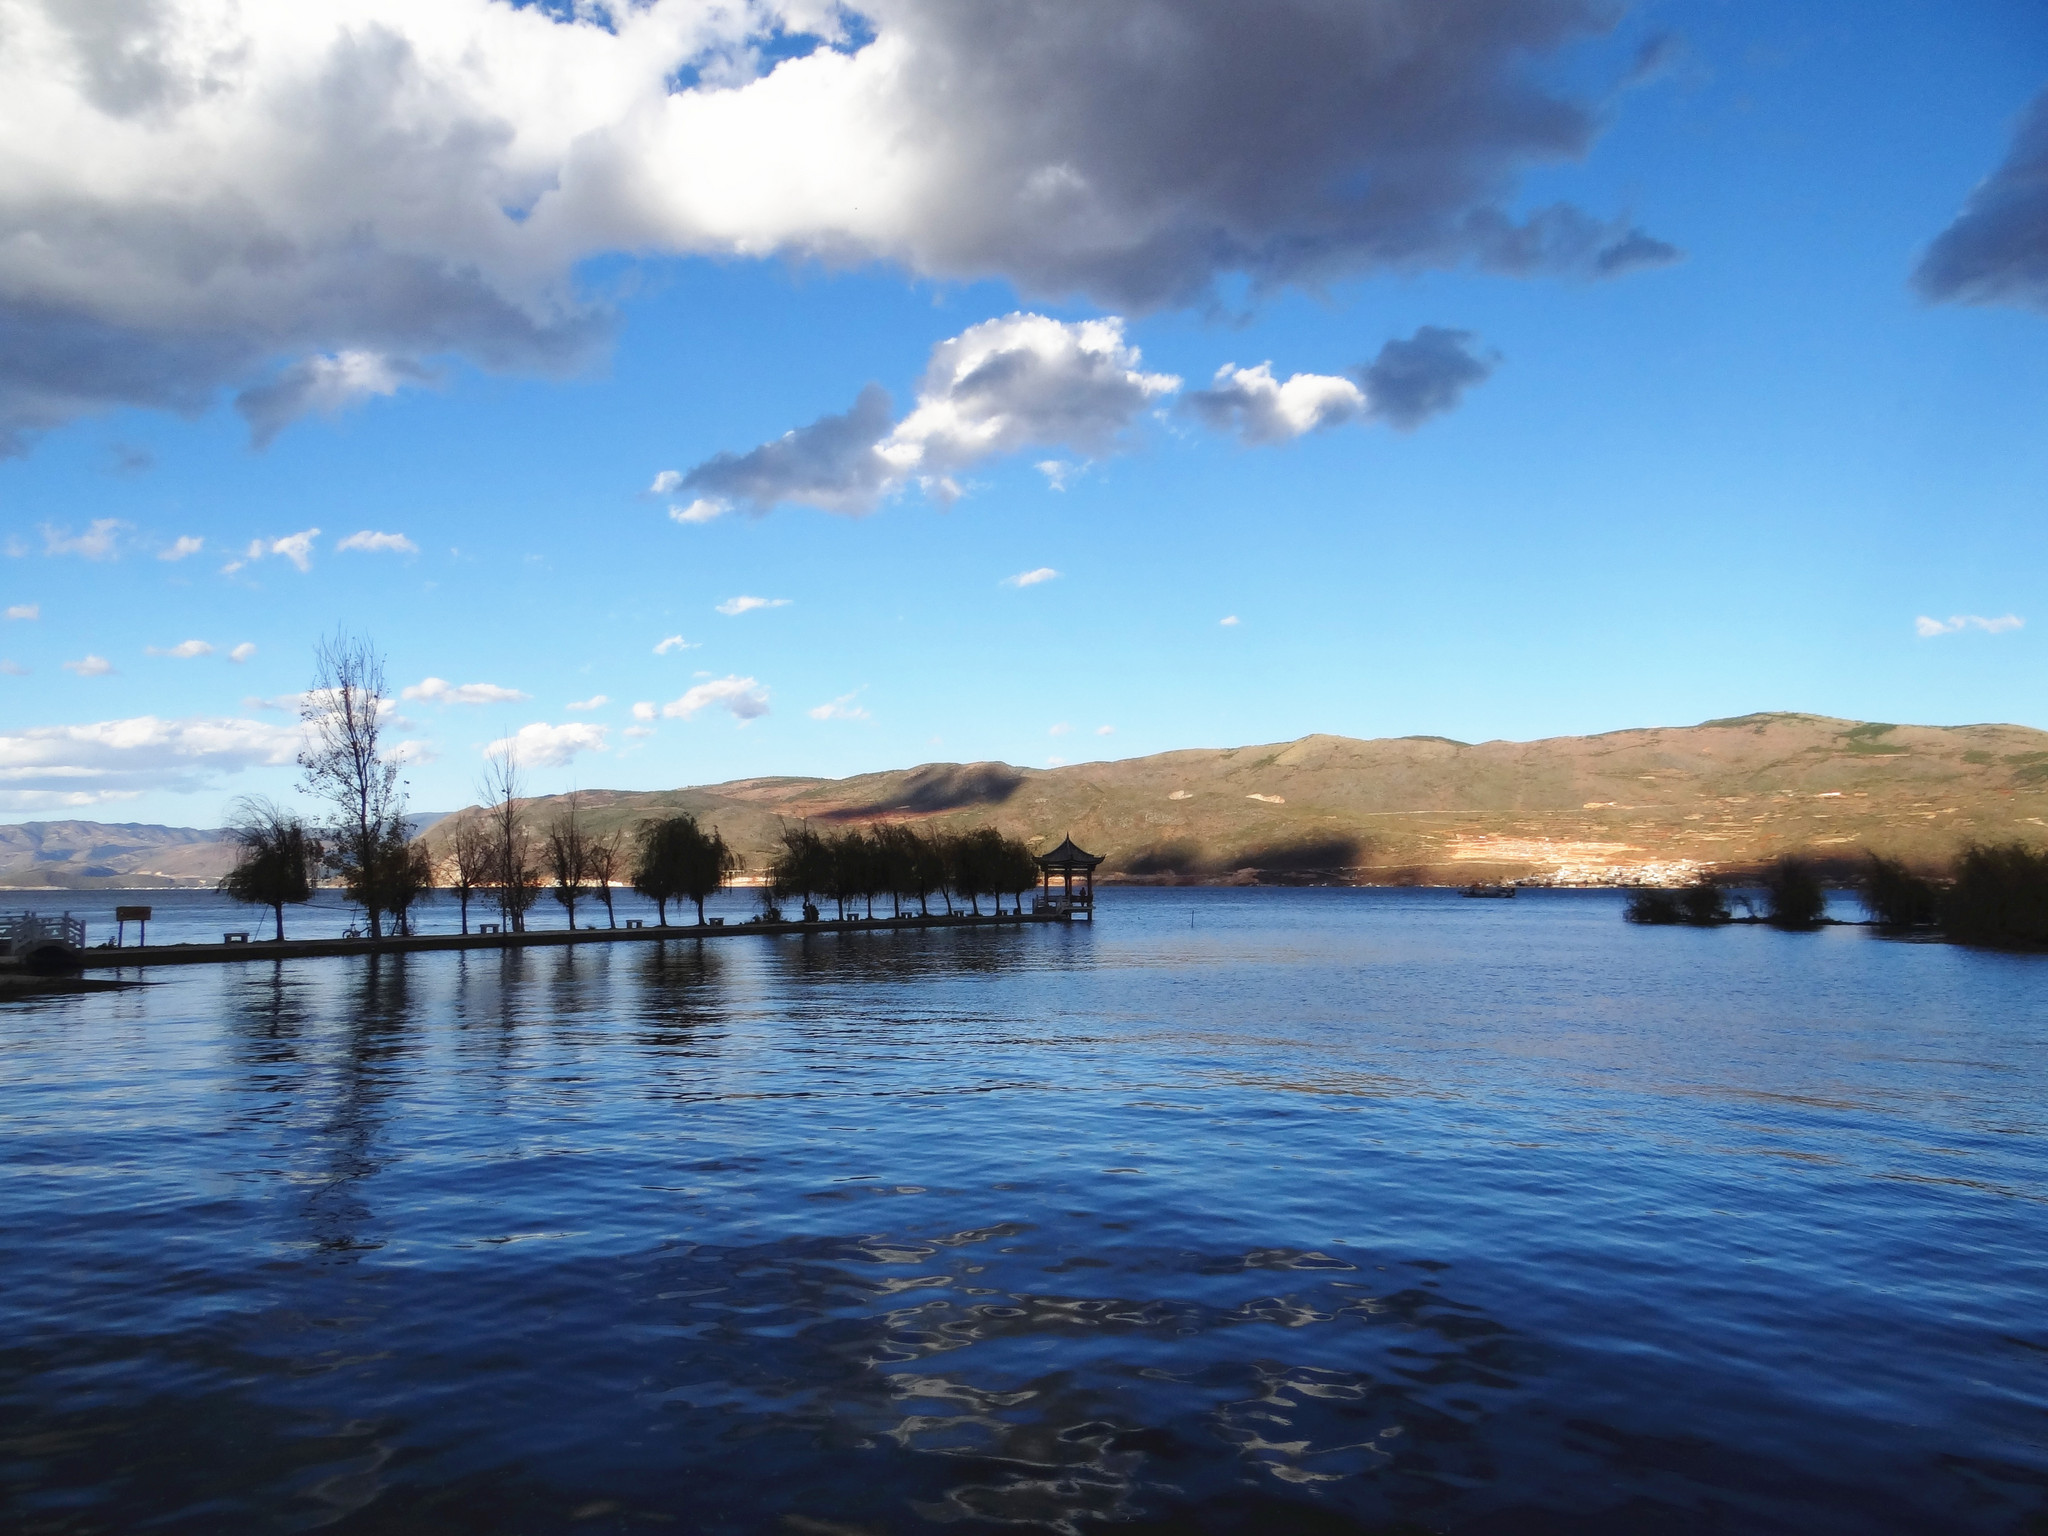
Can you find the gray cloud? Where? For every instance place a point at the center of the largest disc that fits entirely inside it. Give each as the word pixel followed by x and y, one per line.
pixel 239 198
pixel 832 463
pixel 1996 252
pixel 1424 376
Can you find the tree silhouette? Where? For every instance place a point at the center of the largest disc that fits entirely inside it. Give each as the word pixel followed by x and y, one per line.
pixel 275 861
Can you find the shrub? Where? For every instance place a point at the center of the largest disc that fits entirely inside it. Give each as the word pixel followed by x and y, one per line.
pixel 1653 906
pixel 1894 896
pixel 1999 897
pixel 1702 903
pixel 1793 895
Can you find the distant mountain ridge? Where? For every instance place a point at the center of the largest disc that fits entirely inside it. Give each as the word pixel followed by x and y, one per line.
pixel 1647 804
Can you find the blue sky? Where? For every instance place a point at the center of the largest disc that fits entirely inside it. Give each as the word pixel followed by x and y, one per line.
pixel 1733 477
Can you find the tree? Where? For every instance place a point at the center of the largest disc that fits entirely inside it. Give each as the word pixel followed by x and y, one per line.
pixel 344 764
pixel 469 863
pixel 567 854
pixel 276 859
pixel 1793 894
pixel 1894 896
pixel 977 865
pixel 513 871
pixel 601 861
pixel 846 866
pixel 708 865
pixel 802 868
pixel 895 853
pixel 401 875
pixel 658 871
pixel 1019 870
pixel 1999 897
pixel 935 870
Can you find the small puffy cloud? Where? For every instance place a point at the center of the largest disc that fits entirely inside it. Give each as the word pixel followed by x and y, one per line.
pixel 295 547
pixel 639 732
pixel 675 643
pixel 100 541
pixel 1261 409
pixel 324 384
pixel 734 606
pixel 12 668
pixel 1031 578
pixel 184 650
pixel 25 611
pixel 667 483
pixel 702 510
pixel 1229 621
pixel 841 708
pixel 1061 729
pixel 186 545
pixel 371 543
pixel 1005 384
pixel 438 690
pixel 644 710
pixel 49 766
pixel 743 697
pixel 90 666
pixel 1996 251
pixel 595 701
pixel 1927 628
pixel 542 745
pixel 1423 376
pixel 1409 381
pixel 242 652
pixel 1105 730
pixel 1058 472
pixel 1056 762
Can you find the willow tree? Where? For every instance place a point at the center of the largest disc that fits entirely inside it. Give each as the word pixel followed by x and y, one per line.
pixel 276 858
pixel 680 861
pixel 565 852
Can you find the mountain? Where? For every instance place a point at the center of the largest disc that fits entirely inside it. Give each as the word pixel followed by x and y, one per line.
pixel 98 855
pixel 1652 804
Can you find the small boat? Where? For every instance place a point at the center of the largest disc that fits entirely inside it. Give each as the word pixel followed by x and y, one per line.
pixel 1488 890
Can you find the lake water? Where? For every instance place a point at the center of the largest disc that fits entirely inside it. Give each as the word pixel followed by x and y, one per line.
pixel 1243 1211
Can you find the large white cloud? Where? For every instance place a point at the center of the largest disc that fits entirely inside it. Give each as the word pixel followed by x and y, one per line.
pixel 541 745
pixel 76 765
pixel 309 201
pixel 743 697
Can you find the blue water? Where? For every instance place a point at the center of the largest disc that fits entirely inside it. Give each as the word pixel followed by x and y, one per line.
pixel 1261 1211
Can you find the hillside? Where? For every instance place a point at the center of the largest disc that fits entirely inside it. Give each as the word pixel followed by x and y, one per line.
pixel 1651 804
pixel 100 855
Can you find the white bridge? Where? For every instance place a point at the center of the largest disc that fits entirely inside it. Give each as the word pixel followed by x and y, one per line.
pixel 39 943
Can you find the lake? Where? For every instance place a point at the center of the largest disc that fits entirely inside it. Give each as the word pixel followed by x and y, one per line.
pixel 1318 1211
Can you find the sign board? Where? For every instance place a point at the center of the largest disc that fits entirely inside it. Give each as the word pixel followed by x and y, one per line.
pixel 131 914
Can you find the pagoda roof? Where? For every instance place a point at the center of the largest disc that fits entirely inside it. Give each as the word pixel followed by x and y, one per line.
pixel 1067 856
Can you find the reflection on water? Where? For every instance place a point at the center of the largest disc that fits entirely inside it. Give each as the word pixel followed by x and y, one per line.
pixel 1303 1211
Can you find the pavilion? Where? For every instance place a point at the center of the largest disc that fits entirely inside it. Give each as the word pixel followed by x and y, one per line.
pixel 1064 863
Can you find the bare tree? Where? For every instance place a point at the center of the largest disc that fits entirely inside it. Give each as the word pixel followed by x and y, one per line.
pixel 511 852
pixel 343 763
pixel 601 857
pixel 470 861
pixel 568 857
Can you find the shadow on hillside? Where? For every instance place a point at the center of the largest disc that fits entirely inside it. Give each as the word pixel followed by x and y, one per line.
pixel 948 788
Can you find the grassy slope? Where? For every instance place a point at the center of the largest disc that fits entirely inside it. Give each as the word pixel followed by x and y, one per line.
pixel 1730 793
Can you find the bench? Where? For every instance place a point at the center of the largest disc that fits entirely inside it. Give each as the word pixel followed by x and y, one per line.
pixel 234 938
pixel 718 922
pixel 490 927
pixel 634 922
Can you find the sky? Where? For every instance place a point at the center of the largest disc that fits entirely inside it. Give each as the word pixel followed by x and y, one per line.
pixel 688 391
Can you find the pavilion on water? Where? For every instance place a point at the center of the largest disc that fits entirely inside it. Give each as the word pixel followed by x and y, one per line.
pixel 1069 897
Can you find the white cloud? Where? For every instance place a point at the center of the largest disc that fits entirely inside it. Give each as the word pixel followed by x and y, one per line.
pixel 841 708
pixel 355 185
pixel 437 690
pixel 1261 409
pixel 379 543
pixel 1031 578
pixel 676 643
pixel 1105 730
pixel 116 759
pixel 100 541
pixel 186 545
pixel 595 701
pixel 295 547
pixel 734 606
pixel 1058 472
pixel 999 386
pixel 541 745
pixel 184 650
pixel 243 651
pixel 1061 729
pixel 1056 762
pixel 644 710
pixel 1928 628
pixel 90 666
pixel 743 697
pixel 702 510
pixel 1229 621
pixel 12 668
pixel 25 611
pixel 639 732
pixel 667 483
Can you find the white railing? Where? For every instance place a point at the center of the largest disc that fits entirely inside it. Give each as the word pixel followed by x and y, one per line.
pixel 22 931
